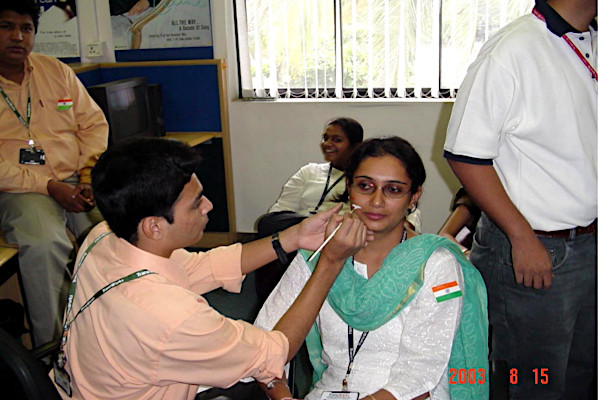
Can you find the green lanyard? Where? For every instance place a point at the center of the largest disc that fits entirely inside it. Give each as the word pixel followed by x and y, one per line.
pixel 67 324
pixel 14 108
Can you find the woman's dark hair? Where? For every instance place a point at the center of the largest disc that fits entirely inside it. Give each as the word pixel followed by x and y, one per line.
pixel 139 178
pixel 351 127
pixel 393 146
pixel 22 7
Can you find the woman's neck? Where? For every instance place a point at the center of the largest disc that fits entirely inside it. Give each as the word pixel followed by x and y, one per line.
pixel 338 166
pixel 378 249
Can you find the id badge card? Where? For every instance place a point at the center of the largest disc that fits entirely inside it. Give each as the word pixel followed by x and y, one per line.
pixel 339 396
pixel 32 156
pixel 62 379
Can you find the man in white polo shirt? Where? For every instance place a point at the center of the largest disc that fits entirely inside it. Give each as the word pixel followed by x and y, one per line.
pixel 522 140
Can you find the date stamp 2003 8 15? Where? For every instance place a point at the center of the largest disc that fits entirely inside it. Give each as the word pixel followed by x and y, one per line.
pixel 474 376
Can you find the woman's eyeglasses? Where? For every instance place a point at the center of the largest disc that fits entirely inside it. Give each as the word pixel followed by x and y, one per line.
pixel 391 190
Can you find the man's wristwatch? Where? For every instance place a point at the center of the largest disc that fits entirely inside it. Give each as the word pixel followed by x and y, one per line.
pixel 272 383
pixel 281 255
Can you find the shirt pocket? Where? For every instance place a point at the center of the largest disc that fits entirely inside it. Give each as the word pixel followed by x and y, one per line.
pixel 56 114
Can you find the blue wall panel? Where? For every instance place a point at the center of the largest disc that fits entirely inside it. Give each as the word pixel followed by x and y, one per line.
pixel 90 78
pixel 190 93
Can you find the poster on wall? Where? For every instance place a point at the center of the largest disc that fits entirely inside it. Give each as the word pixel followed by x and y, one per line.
pixel 136 24
pixel 155 24
pixel 57 34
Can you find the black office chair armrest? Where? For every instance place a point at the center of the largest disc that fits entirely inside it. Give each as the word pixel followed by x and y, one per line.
pixel 46 350
pixel 22 376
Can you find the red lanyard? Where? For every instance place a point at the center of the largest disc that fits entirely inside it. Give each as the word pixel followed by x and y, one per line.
pixel 573 47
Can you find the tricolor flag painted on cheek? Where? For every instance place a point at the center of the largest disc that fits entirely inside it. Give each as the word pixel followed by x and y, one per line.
pixel 65 104
pixel 446 291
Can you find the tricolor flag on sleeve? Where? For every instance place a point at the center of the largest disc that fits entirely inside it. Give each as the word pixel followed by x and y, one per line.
pixel 446 291
pixel 65 104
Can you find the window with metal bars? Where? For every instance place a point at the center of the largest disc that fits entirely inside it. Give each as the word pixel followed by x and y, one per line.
pixel 363 48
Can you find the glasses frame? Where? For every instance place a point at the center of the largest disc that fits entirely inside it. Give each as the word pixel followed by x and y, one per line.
pixel 382 188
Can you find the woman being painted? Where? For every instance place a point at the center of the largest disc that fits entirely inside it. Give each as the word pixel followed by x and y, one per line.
pixel 314 187
pixel 406 312
pixel 318 186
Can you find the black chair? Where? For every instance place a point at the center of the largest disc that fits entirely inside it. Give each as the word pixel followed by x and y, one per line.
pixel 23 376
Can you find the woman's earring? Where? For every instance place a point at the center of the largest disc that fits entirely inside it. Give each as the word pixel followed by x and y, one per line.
pixel 412 209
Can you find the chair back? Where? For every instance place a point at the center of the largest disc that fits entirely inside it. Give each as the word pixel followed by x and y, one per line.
pixel 22 376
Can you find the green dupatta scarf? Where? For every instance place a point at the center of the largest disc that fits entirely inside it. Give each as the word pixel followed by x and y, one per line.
pixel 366 304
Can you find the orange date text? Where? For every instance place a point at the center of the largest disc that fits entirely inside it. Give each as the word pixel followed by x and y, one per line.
pixel 462 376
pixel 540 376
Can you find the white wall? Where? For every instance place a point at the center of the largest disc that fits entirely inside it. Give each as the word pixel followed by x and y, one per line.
pixel 271 140
pixel 93 20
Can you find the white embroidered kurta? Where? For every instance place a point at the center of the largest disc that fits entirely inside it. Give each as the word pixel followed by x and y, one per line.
pixel 302 192
pixel 408 356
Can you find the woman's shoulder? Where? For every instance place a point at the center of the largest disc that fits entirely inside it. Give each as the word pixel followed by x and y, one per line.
pixel 442 254
pixel 313 169
pixel 442 267
pixel 317 167
pixel 298 271
pixel 440 259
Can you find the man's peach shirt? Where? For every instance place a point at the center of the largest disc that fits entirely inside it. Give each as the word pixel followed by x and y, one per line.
pixel 72 138
pixel 156 337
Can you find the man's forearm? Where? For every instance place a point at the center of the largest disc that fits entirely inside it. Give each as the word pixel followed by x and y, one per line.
pixel 485 188
pixel 308 234
pixel 298 319
pixel 296 322
pixel 21 180
pixel 530 259
pixel 260 252
pixel 279 388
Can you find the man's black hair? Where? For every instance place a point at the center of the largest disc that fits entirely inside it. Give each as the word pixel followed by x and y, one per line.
pixel 139 178
pixel 22 7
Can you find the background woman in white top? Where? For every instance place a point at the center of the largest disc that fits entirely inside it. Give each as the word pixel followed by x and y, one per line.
pixel 395 321
pixel 315 187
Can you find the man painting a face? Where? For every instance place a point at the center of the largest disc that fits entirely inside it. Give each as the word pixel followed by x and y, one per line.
pixel 152 335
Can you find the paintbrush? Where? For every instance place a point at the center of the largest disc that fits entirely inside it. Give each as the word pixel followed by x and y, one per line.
pixel 354 207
